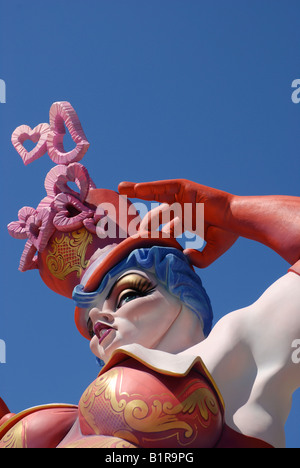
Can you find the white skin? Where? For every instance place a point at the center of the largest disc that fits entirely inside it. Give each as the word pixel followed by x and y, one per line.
pixel 248 352
pixel 137 309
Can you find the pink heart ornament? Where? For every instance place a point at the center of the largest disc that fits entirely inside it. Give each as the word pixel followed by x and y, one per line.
pixel 17 229
pixel 62 114
pixel 59 176
pixel 40 228
pixel 71 213
pixel 37 135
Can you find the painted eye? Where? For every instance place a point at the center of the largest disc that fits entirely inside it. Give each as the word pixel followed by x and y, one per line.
pixel 127 297
pixel 132 287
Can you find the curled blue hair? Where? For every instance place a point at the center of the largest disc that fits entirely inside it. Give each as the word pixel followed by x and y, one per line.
pixel 172 270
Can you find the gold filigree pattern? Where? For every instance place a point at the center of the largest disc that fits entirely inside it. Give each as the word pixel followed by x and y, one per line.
pixel 15 437
pixel 99 442
pixel 202 398
pixel 194 407
pixel 67 253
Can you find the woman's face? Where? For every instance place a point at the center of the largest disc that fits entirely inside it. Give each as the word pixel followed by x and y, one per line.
pixel 134 309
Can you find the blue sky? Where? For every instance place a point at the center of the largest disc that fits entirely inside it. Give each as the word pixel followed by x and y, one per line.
pixel 164 89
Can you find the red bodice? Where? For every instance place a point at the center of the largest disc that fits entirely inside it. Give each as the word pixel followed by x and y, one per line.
pixel 132 405
pixel 149 409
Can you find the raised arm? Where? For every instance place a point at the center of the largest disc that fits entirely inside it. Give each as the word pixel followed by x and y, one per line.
pixel 253 353
pixel 271 220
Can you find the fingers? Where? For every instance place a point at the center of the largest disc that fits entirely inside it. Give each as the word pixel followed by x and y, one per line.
pixel 127 188
pixel 153 219
pixel 173 229
pixel 162 215
pixel 164 191
pixel 218 242
pixel 167 192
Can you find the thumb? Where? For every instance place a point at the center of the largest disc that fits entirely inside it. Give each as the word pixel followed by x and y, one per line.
pixel 163 191
pixel 218 242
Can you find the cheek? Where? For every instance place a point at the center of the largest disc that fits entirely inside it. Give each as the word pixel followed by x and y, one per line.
pixel 144 321
pixel 153 315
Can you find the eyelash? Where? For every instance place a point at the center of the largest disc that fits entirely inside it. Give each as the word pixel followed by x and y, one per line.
pixel 141 287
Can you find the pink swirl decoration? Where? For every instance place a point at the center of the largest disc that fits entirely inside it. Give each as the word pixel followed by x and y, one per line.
pixel 63 209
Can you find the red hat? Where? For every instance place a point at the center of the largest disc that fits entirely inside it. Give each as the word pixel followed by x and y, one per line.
pixel 73 237
pixel 67 227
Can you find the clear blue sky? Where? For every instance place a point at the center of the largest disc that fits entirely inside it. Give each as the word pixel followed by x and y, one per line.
pixel 164 89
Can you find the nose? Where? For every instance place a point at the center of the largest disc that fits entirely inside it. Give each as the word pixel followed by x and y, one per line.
pixel 102 315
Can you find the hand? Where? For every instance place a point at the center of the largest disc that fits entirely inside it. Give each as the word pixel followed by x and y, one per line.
pixel 216 206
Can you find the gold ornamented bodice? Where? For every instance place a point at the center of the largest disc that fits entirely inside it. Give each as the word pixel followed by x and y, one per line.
pixel 145 409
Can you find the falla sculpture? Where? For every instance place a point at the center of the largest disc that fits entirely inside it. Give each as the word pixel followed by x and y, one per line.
pixel 170 379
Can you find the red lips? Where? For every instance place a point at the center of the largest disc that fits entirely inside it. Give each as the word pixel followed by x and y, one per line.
pixel 101 330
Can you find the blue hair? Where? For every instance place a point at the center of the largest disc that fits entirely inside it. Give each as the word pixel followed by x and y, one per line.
pixel 172 270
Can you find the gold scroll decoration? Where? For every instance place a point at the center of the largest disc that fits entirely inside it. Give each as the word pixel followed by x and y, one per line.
pixel 15 437
pixel 142 420
pixel 67 253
